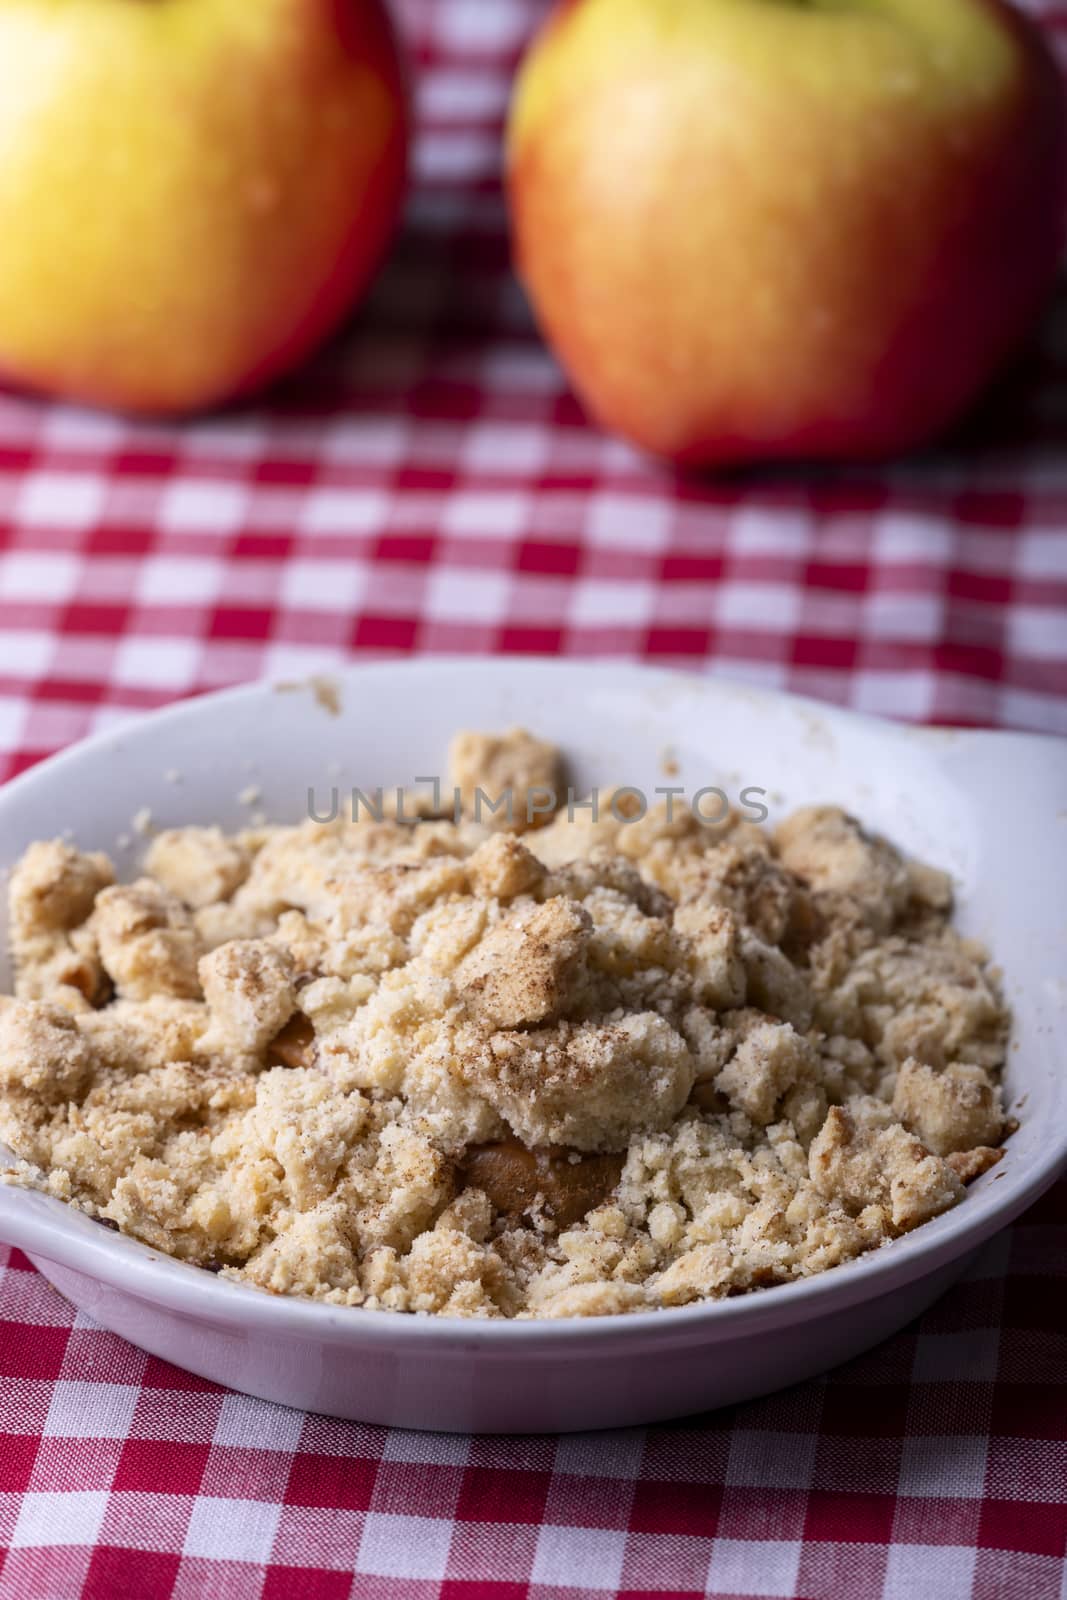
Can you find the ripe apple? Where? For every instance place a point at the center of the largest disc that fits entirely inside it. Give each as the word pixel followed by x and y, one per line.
pixel 192 192
pixel 764 229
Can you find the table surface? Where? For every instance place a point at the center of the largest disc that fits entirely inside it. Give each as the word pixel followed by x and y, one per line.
pixel 430 484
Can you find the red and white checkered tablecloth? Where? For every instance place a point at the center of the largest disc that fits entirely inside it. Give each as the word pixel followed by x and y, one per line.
pixel 430 484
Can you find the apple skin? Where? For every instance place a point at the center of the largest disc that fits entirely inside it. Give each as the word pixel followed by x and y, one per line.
pixel 762 230
pixel 193 193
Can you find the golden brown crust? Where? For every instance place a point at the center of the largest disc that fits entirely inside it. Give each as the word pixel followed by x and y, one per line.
pixel 971 1164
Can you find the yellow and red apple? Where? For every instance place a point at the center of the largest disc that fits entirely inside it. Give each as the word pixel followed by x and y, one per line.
pixel 760 229
pixel 193 193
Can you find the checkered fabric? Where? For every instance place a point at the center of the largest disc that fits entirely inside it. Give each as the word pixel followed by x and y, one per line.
pixel 933 1468
pixel 430 484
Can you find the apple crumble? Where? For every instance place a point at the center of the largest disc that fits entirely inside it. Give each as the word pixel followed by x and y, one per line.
pixel 576 1065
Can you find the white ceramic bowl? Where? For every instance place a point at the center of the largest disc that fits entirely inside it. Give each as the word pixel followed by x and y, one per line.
pixel 992 808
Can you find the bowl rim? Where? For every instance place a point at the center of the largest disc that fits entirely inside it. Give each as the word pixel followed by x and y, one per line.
pixel 46 1227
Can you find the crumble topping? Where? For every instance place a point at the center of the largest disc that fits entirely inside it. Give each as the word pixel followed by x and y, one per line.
pixel 575 1065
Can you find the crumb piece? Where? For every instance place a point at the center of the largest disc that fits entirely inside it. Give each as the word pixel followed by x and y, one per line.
pixel 886 1166
pixel 470 1213
pixel 775 985
pixel 714 954
pixel 51 893
pixel 147 941
pixel 526 969
pixel 951 1110
pixel 248 985
pixel 503 868
pixel 930 887
pixel 933 1000
pixel 313 1256
pixel 770 1060
pixel 695 1275
pixel 130 1036
pixel 971 1164
pixel 53 888
pixel 511 766
pixel 586 1085
pixel 42 1053
pixel 740 875
pixel 327 693
pixel 141 822
pixel 199 865
pixel 829 850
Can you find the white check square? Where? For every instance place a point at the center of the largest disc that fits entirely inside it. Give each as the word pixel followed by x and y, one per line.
pixel 82 1410
pixel 250 1424
pixel 905 537
pixel 1037 631
pixel 290 663
pixel 66 426
pixel 466 24
pixel 617 1454
pixel 944 1570
pixel 376 441
pixel 232 438
pixel 505 447
pixel 11 715
pixel 404 1547
pixel 55 1518
pixel 902 617
pixel 432 1449
pixel 477 513
pixel 323 585
pixel 204 505
pixel 341 511
pixel 610 602
pixel 455 594
pixel 896 694
pixel 579 1558
pixel 760 1459
pixel 1020 708
pixel 27 655
pixel 754 1566
pixel 755 531
pixel 156 663
pixel 627 522
pixel 939 1466
pixel 25 1296
pixel 758 605
pixel 51 576
pixel 178 580
pixel 1042 553
pixel 456 156
pixel 232 1530
pixel 60 499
